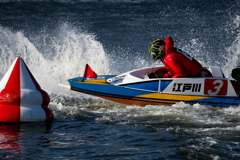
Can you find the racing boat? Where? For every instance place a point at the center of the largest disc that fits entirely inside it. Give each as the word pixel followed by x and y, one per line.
pixel 146 87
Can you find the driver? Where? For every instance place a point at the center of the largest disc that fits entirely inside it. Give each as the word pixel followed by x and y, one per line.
pixel 178 63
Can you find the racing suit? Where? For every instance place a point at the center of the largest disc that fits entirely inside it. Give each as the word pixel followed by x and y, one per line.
pixel 178 63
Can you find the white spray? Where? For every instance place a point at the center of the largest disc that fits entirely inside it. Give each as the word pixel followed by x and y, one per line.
pixel 233 52
pixel 53 59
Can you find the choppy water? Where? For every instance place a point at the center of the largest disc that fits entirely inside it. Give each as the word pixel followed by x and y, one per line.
pixel 57 38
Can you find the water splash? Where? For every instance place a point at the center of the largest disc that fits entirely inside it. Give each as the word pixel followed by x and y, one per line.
pixel 15 44
pixel 53 58
pixel 233 52
pixel 195 48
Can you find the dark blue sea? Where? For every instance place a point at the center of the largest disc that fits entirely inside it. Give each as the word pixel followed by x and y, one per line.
pixel 56 38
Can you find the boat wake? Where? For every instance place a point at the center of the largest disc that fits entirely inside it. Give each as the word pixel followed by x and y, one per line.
pixel 199 119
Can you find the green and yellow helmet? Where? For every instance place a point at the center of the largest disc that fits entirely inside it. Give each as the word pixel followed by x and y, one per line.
pixel 156 49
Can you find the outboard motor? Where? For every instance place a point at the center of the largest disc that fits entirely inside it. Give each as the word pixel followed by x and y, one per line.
pixel 236 84
pixel 236 74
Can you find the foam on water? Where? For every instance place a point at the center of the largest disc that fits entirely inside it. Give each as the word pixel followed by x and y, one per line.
pixel 177 113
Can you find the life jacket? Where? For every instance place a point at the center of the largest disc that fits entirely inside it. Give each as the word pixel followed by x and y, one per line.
pixel 178 63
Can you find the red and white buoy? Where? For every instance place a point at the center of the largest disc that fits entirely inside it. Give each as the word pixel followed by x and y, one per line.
pixel 21 97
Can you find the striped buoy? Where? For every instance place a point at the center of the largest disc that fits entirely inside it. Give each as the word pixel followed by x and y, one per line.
pixel 21 97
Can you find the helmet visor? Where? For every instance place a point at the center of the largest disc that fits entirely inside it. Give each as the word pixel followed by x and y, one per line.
pixel 155 53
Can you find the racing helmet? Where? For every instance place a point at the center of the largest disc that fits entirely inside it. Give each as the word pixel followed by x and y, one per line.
pixel 156 49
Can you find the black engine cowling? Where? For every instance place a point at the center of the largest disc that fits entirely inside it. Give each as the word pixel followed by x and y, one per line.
pixel 236 74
